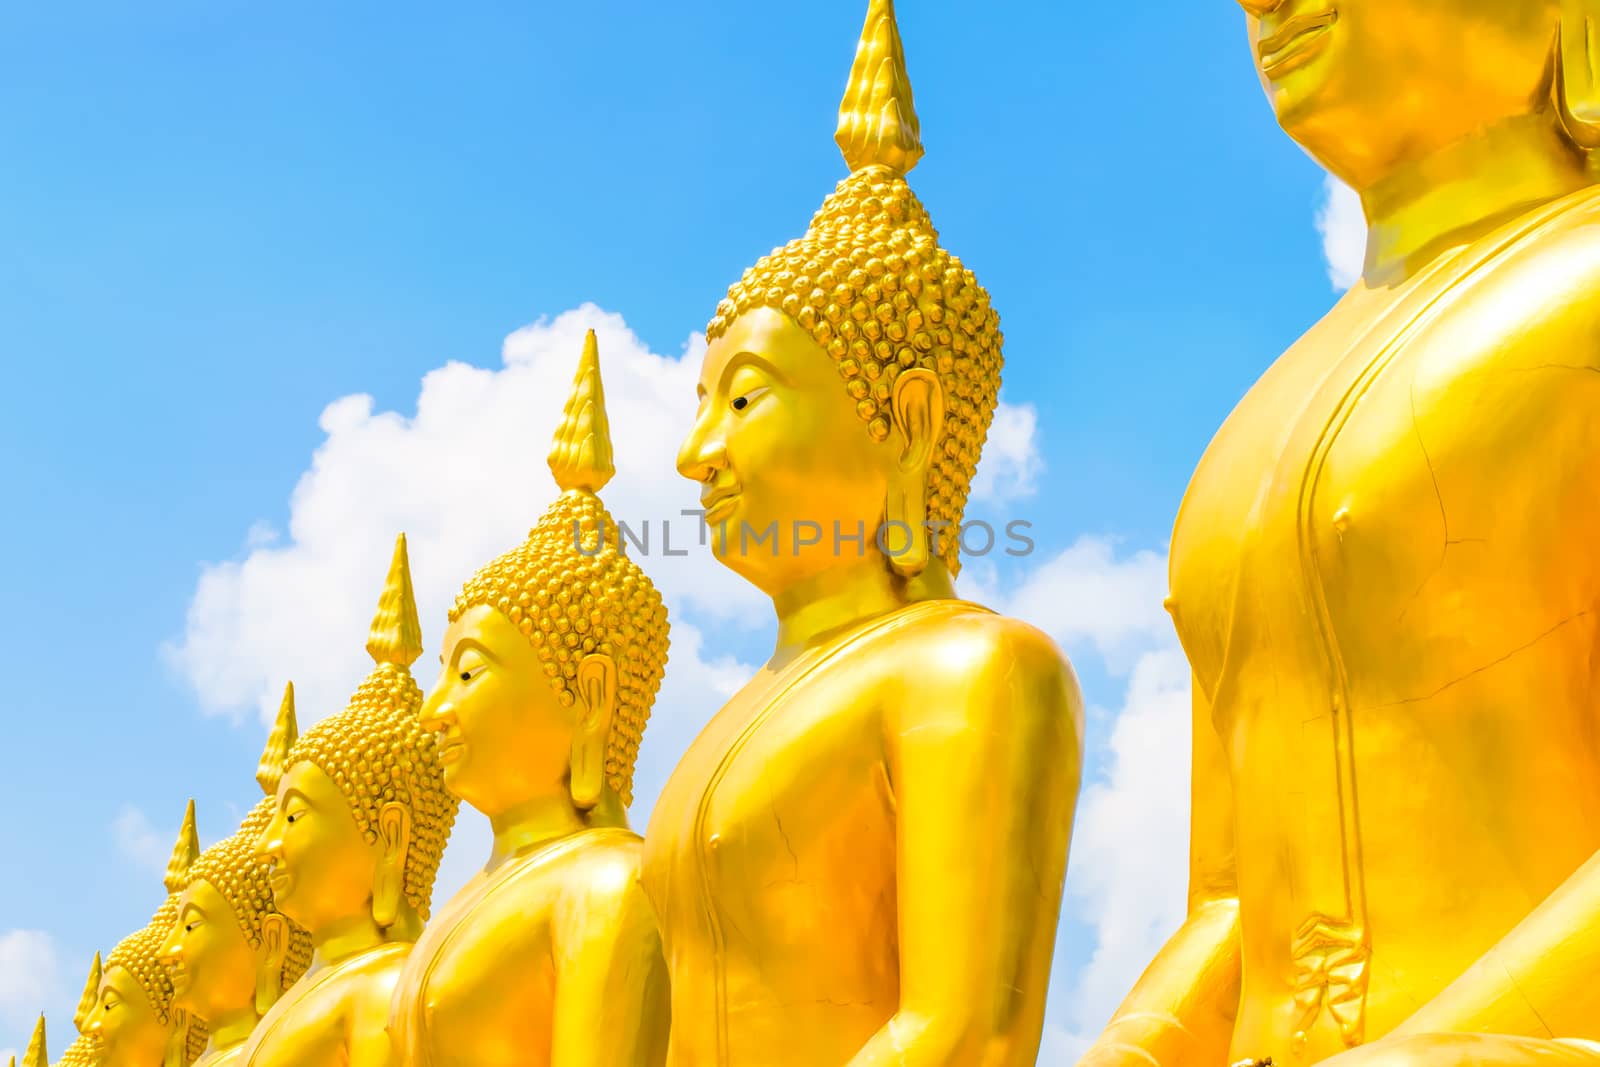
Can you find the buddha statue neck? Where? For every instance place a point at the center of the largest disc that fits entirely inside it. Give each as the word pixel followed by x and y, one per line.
pixel 844 596
pixel 1423 207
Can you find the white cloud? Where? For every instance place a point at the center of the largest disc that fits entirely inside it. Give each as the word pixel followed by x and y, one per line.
pixel 141 842
pixel 30 979
pixel 1129 871
pixel 1011 462
pixel 464 478
pixel 1343 227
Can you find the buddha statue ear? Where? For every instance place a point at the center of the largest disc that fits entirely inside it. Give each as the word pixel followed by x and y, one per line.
pixel 917 410
pixel 270 959
pixel 1575 87
pixel 597 704
pixel 389 880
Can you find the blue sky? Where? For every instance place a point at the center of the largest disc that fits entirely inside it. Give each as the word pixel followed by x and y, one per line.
pixel 216 219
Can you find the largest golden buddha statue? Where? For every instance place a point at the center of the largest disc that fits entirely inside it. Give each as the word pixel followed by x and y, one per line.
pixel 860 859
pixel 551 662
pixel 1386 579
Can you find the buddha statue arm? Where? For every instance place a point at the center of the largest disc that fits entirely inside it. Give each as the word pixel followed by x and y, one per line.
pixel 611 994
pixel 1182 1009
pixel 983 752
pixel 367 1038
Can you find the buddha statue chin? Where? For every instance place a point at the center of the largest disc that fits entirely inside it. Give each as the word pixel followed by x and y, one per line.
pixel 550 955
pixel 358 824
pixel 1385 578
pixel 860 859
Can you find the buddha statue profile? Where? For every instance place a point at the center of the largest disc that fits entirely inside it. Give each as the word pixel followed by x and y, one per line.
pixel 551 662
pixel 359 821
pixel 860 859
pixel 83 1051
pixel 231 954
pixel 1385 579
pixel 133 1022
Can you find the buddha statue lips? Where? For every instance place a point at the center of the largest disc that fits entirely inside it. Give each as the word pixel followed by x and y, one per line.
pixel 358 824
pixel 860 859
pixel 551 663
pixel 1393 649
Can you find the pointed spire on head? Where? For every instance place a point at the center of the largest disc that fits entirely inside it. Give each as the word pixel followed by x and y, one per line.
pixel 275 757
pixel 36 1056
pixel 185 852
pixel 396 635
pixel 91 995
pixel 877 122
pixel 580 455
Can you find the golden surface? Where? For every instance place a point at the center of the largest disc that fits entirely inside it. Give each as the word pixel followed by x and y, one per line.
pixel 1385 576
pixel 551 661
pixel 860 859
pixel 358 824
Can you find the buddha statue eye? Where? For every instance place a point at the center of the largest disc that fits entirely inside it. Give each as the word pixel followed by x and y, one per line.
pixel 744 400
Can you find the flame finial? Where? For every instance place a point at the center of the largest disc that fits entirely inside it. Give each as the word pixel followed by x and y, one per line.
pixel 580 455
pixel 183 853
pixel 396 635
pixel 275 757
pixel 877 120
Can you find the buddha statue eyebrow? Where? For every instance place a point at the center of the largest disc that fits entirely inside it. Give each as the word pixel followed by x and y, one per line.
pixel 743 359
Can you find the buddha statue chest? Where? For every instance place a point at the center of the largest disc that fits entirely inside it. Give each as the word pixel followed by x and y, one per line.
pixel 322 1016
pixel 770 859
pixel 1384 575
pixel 481 987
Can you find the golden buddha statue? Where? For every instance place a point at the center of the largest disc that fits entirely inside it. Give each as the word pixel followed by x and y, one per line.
pixel 133 1022
pixel 860 859
pixel 230 954
pixel 358 824
pixel 1384 575
pixel 551 662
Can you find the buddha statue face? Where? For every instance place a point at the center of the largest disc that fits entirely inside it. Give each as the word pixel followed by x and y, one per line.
pixel 124 1023
pixel 1366 85
pixel 323 867
pixel 504 736
pixel 781 454
pixel 211 964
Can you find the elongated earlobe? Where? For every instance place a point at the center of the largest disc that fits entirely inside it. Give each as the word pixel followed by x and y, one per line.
pixel 917 407
pixel 269 964
pixel 597 691
pixel 1575 85
pixel 388 884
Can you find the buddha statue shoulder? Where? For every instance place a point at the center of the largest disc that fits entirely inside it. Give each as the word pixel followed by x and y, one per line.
pixel 860 859
pixel 1384 576
pixel 551 662
pixel 230 953
pixel 359 822
pixel 133 1021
